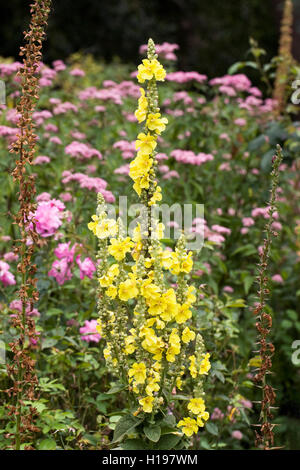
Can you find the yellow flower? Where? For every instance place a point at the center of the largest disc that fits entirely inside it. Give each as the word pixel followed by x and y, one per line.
pixel 146 143
pixel 188 335
pixel 156 123
pixel 107 351
pixel 179 383
pixel 186 263
pixel 111 292
pixel 128 289
pixel 141 112
pixel 149 69
pixel 191 298
pixel 119 247
pixel 189 426
pixel 103 228
pixel 138 372
pixel 152 343
pixel 152 387
pixel 99 327
pixel 140 166
pixel 205 365
pixel 110 275
pixel 174 346
pixel 156 196
pixel 203 416
pixel 147 404
pixel 196 406
pixel 193 369
pixel 130 344
pixel 183 313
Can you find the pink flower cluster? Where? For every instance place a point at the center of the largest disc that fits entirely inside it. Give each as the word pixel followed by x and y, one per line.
pixel 6 277
pixel 183 77
pixel 9 69
pixel 164 50
pixel 63 108
pixel 61 268
pixel 77 72
pixel 112 91
pixel 237 82
pixel 122 170
pixel 48 216
pixel 167 173
pixel 93 184
pixel 187 156
pixel 41 159
pixel 82 151
pixel 264 212
pixel 89 332
pixel 127 148
pixel 17 305
pixel 213 234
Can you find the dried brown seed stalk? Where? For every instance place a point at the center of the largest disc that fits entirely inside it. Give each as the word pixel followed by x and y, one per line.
pixel 22 369
pixel 265 436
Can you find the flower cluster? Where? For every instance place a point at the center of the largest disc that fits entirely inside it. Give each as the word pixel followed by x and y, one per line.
pixel 61 268
pixel 144 301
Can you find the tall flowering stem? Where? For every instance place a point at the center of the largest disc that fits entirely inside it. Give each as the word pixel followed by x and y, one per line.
pixel 265 435
pixel 285 58
pixel 151 346
pixel 22 368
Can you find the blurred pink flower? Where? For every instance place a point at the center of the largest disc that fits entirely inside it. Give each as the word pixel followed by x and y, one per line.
pixel 6 277
pixel 89 332
pixel 87 267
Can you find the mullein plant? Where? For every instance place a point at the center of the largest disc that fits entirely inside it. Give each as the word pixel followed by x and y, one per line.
pixel 265 435
pixel 151 346
pixel 21 370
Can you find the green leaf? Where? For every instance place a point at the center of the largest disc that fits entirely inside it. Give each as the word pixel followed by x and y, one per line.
pixel 152 432
pixel 169 421
pixel 117 387
pixel 133 444
pixel 180 397
pixel 246 250
pixel 47 444
pixel 48 343
pixel 168 442
pixel 125 426
pixel 212 429
pixel 248 281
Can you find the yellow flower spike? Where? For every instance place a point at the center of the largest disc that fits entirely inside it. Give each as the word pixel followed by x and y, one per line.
pixel 150 69
pixel 147 339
